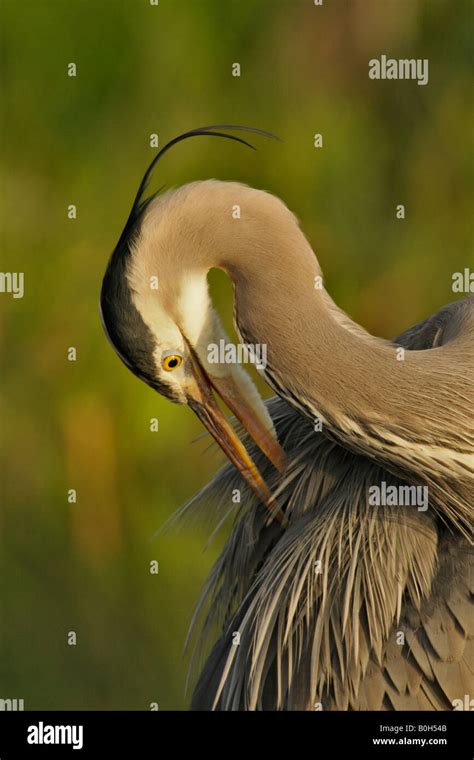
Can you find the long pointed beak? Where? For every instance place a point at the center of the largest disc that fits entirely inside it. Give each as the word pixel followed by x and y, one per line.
pixel 202 402
pixel 265 439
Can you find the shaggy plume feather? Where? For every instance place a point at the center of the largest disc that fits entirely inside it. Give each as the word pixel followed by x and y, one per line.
pixel 354 606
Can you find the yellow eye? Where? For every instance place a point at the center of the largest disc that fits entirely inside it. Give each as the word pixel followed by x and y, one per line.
pixel 171 362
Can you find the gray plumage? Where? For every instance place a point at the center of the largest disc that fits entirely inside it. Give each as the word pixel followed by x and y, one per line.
pixel 331 637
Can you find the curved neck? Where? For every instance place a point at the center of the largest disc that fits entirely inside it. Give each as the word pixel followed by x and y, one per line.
pixel 402 408
pixel 408 409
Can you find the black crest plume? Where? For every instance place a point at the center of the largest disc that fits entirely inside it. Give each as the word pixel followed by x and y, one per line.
pixel 140 204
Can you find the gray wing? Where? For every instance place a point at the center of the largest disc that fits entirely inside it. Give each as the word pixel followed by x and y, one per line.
pixel 352 607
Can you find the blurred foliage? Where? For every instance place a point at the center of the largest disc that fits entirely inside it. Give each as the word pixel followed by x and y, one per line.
pixel 85 140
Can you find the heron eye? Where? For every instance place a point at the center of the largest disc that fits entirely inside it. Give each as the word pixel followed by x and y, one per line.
pixel 171 362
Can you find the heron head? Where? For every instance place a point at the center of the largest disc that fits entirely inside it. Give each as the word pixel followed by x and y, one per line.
pixel 160 320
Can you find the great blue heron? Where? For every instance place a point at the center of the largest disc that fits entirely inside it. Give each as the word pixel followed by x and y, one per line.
pixel 324 598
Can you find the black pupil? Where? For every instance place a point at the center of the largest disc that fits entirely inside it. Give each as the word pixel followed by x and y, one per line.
pixel 172 363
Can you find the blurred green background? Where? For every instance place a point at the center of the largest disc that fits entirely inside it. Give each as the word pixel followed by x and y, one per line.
pixel 143 69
